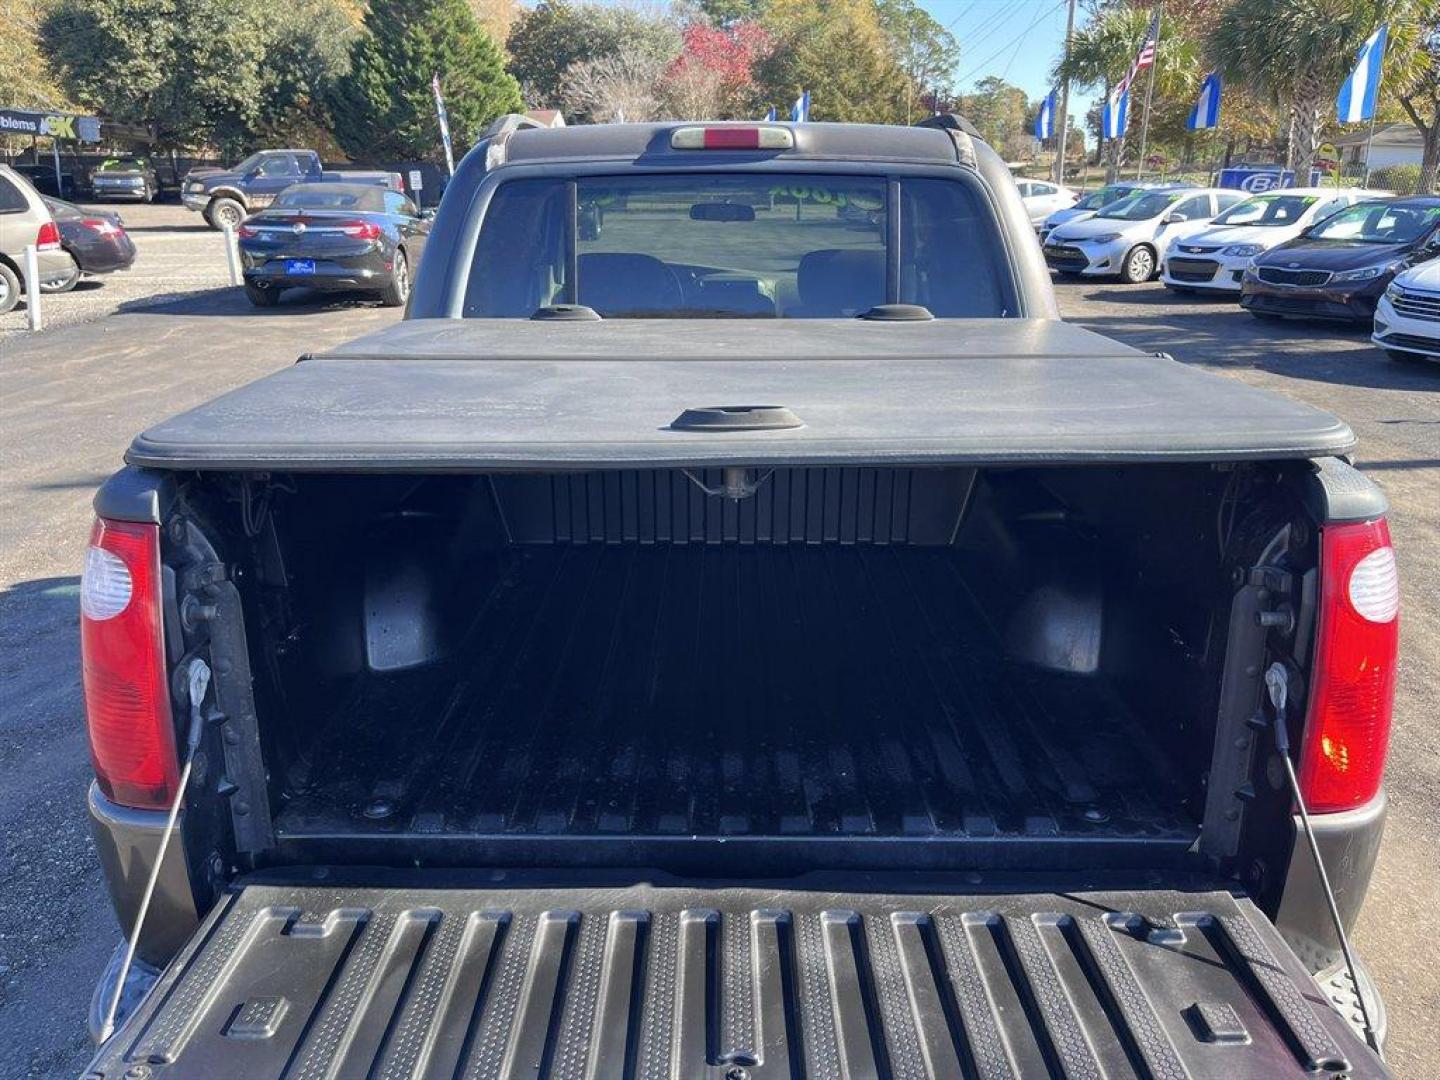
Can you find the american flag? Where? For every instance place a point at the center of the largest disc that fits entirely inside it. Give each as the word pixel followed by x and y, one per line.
pixel 1146 57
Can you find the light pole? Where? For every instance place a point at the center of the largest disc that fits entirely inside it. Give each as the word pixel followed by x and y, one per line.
pixel 1064 99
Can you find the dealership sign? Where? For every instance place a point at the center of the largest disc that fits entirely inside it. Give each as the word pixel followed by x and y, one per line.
pixel 59 125
pixel 1257 180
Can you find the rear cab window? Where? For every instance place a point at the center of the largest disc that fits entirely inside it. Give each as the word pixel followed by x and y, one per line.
pixel 737 245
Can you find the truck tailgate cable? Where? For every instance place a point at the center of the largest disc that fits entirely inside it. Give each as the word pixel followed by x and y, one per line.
pixel 1277 682
pixel 198 681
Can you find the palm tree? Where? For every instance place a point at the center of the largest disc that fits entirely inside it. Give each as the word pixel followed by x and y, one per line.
pixel 1300 51
pixel 1102 51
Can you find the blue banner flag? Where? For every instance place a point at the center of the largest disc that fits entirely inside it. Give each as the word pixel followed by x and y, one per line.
pixel 1206 113
pixel 1114 115
pixel 771 115
pixel 1356 100
pixel 1045 121
pixel 800 111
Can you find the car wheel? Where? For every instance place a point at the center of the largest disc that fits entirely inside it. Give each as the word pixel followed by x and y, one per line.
pixel 224 212
pixel 9 288
pixel 1139 265
pixel 66 283
pixel 261 297
pixel 398 291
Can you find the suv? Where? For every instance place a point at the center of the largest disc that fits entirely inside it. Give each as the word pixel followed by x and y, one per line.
pixel 26 221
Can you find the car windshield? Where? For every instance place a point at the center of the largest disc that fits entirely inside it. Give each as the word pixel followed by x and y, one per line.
pixel 736 245
pixel 1378 223
pixel 1104 197
pixel 326 197
pixel 1267 210
pixel 1140 206
pixel 122 165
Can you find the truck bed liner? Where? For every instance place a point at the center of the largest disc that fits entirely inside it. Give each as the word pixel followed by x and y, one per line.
pixel 683 691
pixel 477 394
pixel 723 983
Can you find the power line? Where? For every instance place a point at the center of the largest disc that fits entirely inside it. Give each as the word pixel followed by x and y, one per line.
pixel 1017 38
pixel 1009 63
pixel 996 22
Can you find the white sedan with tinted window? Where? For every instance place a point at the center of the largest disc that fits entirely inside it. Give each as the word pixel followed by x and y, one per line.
pixel 1125 239
pixel 1214 260
pixel 1042 198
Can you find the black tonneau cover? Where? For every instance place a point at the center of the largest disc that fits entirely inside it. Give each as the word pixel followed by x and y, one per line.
pixel 506 394
pixel 731 984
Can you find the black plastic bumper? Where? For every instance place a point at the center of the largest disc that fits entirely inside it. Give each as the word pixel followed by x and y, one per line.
pixel 128 842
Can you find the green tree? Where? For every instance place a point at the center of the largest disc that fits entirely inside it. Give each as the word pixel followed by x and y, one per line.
pixel 726 12
pixel 555 35
pixel 306 52
pixel 29 80
pixel 1002 114
pixel 385 109
pixel 1300 51
pixel 836 50
pixel 925 50
pixel 188 71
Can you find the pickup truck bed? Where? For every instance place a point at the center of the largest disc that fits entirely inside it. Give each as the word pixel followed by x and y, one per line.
pixel 310 978
pixel 852 697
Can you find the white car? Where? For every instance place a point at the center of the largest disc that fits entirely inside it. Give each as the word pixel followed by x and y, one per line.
pixel 1042 198
pixel 1125 239
pixel 1407 319
pixel 1214 260
pixel 1087 205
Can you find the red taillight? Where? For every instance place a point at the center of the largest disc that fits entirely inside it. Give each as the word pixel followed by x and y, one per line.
pixel 48 238
pixel 100 225
pixel 1347 727
pixel 127 704
pixel 247 232
pixel 361 230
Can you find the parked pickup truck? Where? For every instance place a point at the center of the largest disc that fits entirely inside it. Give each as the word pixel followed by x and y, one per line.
pixel 225 197
pixel 758 640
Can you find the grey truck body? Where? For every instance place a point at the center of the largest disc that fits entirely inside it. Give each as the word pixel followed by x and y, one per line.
pixel 742 697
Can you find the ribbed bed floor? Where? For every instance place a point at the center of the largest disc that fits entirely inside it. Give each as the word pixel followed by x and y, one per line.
pixel 693 690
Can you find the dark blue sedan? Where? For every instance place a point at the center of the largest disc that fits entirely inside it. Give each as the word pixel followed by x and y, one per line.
pixel 333 236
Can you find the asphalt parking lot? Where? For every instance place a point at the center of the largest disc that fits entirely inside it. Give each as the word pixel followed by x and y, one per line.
pixel 131 352
pixel 176 254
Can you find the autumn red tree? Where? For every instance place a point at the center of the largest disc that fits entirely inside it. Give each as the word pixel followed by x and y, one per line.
pixel 713 76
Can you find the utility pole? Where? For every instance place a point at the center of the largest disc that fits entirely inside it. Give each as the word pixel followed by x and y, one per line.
pixel 1149 93
pixel 1370 138
pixel 1064 99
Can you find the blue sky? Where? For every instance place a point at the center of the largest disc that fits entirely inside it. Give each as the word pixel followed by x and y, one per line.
pixel 1017 40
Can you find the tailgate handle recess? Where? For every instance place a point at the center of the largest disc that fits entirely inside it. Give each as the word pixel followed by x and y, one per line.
pixel 736 418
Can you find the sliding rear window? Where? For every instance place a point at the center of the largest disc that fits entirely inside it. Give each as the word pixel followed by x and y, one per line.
pixel 737 246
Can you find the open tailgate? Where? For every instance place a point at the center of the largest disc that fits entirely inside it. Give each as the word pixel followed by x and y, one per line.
pixel 731 984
